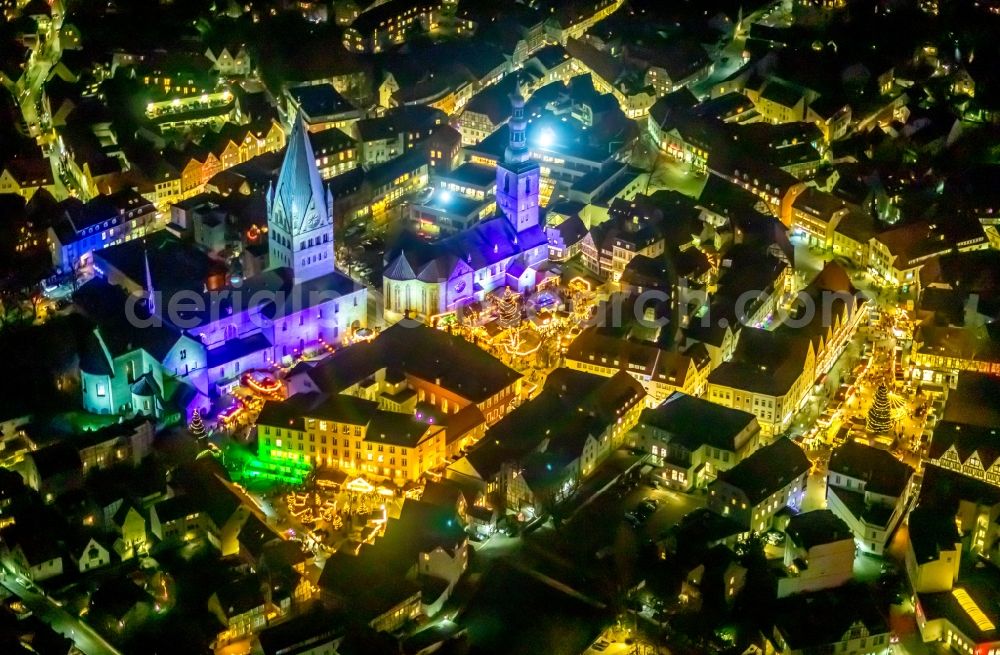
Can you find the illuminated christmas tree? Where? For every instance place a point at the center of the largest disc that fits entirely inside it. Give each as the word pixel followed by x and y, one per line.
pixel 197 427
pixel 510 315
pixel 880 413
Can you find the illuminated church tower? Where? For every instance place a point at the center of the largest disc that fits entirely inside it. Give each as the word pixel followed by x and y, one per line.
pixel 300 213
pixel 518 176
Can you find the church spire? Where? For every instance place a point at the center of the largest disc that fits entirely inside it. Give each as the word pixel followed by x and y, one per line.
pixel 518 176
pixel 299 180
pixel 517 146
pixel 300 220
pixel 150 291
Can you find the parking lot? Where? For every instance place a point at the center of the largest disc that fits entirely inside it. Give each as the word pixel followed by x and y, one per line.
pixel 671 508
pixel 596 526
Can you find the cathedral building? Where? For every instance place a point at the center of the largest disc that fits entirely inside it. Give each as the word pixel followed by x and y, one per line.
pixel 208 339
pixel 428 281
pixel 306 301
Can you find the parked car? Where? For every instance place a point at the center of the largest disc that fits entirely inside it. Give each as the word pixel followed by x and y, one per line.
pixel 642 512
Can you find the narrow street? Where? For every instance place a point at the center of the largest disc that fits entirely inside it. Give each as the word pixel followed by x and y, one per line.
pixel 28 92
pixel 86 638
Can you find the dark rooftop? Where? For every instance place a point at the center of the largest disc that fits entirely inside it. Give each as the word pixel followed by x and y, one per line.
pixel 375 580
pixel 476 175
pixel 767 470
pixel 973 401
pixel 943 490
pixel 966 440
pixel 586 403
pixel 327 141
pixel 173 264
pixel 241 596
pixel 58 459
pixel 811 621
pixel 427 353
pixel 880 471
pixel 816 528
pixel 302 633
pixel 685 418
pixel 176 507
pixel 319 100
pixel 972 343
pixel 372 19
pixel 932 531
pixel 764 362
pixel 782 93
pixel 405 119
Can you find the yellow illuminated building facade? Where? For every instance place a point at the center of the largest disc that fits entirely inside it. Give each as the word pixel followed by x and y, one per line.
pixel 369 442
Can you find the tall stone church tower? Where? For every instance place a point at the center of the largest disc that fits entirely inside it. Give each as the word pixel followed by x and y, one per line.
pixel 300 213
pixel 518 175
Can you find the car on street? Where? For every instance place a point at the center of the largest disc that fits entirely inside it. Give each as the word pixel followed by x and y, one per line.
pixel 642 512
pixel 650 503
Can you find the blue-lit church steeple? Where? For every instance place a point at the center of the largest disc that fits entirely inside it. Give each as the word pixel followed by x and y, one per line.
pixel 429 280
pixel 518 176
